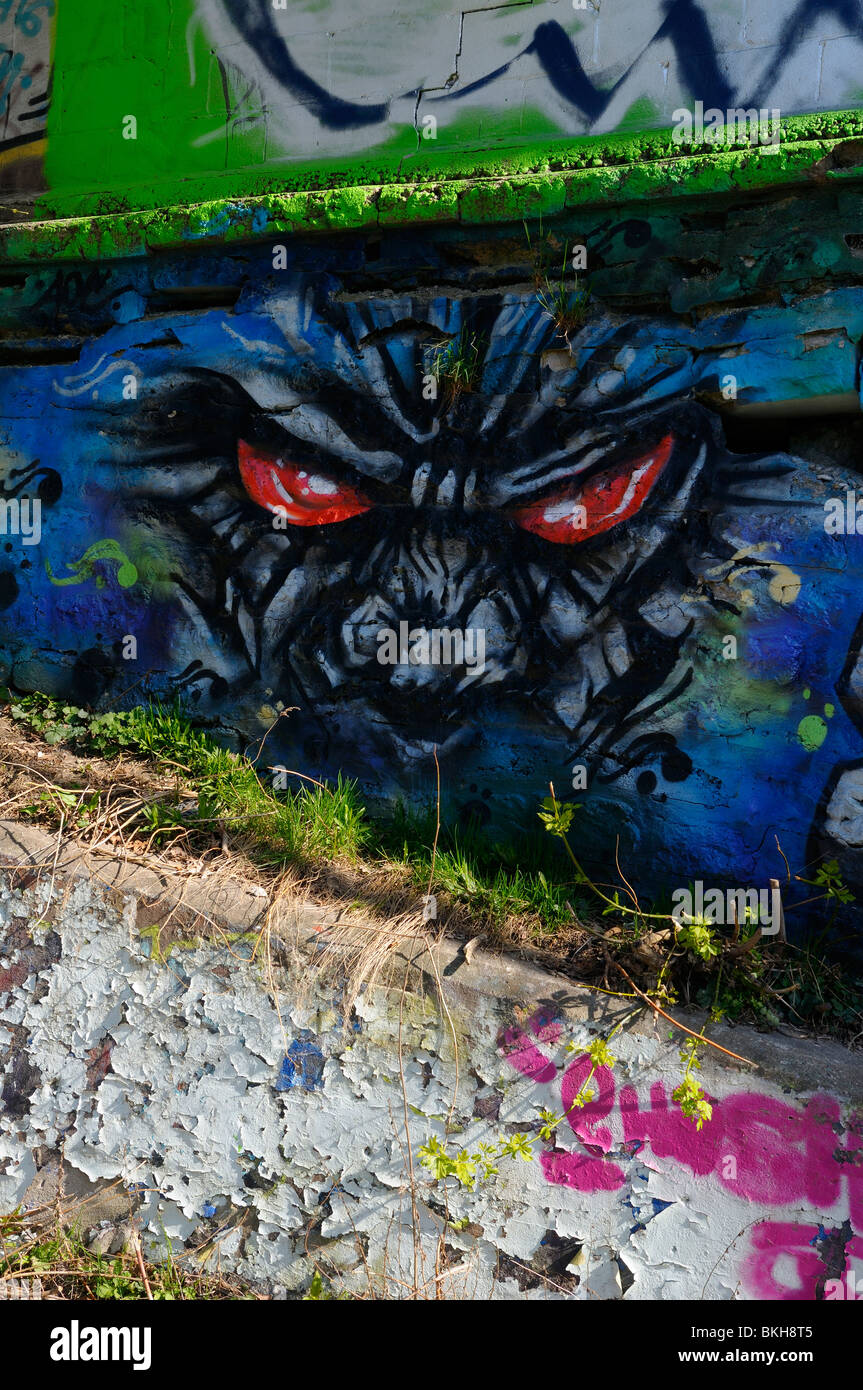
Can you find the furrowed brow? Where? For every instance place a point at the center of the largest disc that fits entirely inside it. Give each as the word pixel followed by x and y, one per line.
pixel 565 462
pixel 313 425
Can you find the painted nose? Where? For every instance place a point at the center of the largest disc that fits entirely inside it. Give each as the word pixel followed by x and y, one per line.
pixel 452 489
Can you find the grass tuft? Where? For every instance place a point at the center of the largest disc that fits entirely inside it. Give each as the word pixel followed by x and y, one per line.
pixel 315 824
pixel 59 1265
pixel 457 365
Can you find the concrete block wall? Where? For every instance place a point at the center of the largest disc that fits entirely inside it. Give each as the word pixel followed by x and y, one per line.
pixel 163 107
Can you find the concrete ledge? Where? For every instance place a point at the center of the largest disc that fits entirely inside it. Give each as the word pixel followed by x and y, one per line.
pixel 798 1062
pixel 482 190
pixel 236 1106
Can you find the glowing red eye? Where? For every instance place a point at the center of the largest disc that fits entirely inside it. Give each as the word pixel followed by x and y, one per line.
pixel 298 493
pixel 575 513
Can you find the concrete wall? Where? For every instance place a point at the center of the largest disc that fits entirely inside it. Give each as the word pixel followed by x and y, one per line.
pixel 315 92
pixel 231 467
pixel 248 1111
pixel 248 478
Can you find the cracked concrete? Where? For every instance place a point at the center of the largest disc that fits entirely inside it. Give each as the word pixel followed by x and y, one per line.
pixel 236 1109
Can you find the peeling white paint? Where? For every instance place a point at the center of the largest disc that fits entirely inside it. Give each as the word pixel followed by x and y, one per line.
pixel 273 1128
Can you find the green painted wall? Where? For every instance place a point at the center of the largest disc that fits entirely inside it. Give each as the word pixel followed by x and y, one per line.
pixel 211 123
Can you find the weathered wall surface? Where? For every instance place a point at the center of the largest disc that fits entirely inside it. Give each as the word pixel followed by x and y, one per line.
pixel 249 480
pixel 233 473
pixel 228 1104
pixel 25 92
pixel 319 93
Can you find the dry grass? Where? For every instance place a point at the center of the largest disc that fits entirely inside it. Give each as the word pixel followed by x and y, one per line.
pixel 55 1251
pixel 102 806
pixel 105 807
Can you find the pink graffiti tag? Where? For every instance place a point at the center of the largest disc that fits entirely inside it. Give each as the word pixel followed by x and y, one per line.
pixel 797 1245
pixel 524 1055
pixel 781 1153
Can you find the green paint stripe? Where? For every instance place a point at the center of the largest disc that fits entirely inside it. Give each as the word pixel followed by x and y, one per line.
pixel 597 171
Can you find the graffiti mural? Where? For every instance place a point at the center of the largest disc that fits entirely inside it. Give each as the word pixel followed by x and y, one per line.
pixel 563 572
pixel 25 89
pixel 263 91
pixel 559 65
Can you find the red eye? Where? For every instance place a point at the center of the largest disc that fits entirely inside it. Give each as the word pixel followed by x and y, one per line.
pixel 575 513
pixel 297 492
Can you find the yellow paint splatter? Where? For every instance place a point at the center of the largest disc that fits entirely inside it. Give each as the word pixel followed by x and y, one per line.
pixel 784 585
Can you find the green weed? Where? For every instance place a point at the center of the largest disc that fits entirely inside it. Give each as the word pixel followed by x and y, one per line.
pixel 457 365
pixel 559 292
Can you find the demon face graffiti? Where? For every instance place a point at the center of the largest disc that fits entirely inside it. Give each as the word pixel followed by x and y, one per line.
pixel 330 489
pixel 284 483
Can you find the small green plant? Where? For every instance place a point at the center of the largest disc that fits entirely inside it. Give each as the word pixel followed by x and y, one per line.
pixel 457 365
pixel 68 1269
pixel 58 803
pixel 557 817
pixel 111 733
pixel 162 820
pixel 695 936
pixel 598 1052
pixel 319 1292
pixel 698 937
pixel 560 294
pixel 517 1146
pixel 830 879
pixel 689 1095
pixel 471 1168
pixel 567 306
pixel 468 1169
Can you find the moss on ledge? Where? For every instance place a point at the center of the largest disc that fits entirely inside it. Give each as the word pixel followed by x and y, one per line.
pixel 473 190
